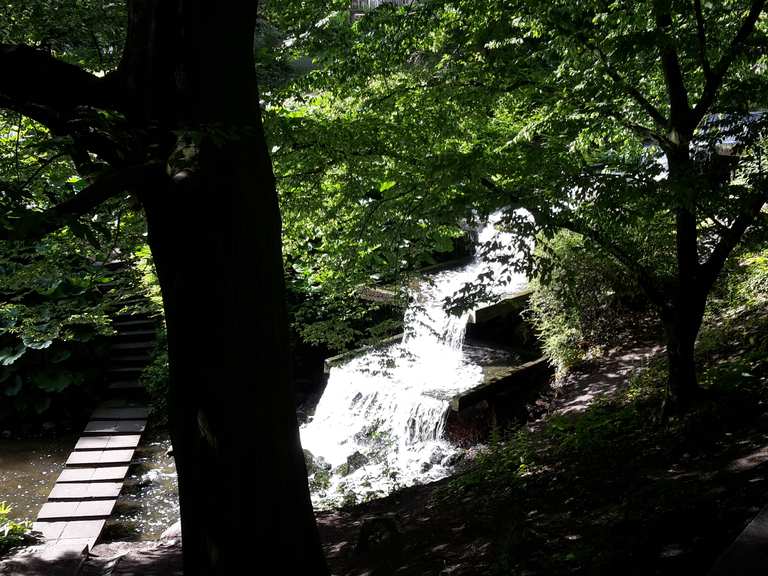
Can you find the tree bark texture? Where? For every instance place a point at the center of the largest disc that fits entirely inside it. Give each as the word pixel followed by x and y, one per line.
pixel 214 229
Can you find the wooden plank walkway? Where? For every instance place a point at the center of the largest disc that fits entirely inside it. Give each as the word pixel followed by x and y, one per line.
pixel 86 491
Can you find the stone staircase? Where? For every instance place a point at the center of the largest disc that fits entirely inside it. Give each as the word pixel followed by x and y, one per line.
pixel 86 491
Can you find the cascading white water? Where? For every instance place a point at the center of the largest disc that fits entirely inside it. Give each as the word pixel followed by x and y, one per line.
pixel 380 421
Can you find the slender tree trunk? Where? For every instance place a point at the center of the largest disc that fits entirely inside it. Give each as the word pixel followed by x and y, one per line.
pixel 214 229
pixel 682 319
pixel 681 326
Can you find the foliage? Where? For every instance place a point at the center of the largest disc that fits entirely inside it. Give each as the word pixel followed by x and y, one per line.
pixel 155 379
pixel 582 300
pixel 628 124
pixel 12 533
pixel 85 33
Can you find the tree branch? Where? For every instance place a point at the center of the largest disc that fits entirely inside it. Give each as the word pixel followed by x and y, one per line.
pixel 649 108
pixel 730 238
pixel 647 280
pixel 679 110
pixel 715 78
pixel 701 35
pixel 35 225
pixel 47 90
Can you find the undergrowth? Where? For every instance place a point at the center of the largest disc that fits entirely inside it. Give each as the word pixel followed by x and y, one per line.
pixel 12 533
pixel 622 488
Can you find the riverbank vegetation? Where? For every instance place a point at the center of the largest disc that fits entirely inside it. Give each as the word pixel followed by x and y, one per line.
pixel 621 488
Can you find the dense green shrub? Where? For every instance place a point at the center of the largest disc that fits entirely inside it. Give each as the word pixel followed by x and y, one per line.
pixel 582 300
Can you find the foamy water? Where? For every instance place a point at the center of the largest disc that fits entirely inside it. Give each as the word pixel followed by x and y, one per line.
pixel 380 421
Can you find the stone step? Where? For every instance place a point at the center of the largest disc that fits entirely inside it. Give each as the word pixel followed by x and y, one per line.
pixel 132 346
pixel 75 533
pixel 126 386
pixel 129 360
pixel 129 413
pixel 134 335
pixel 107 474
pixel 77 509
pixel 120 373
pixel 85 490
pixel 99 458
pixel 108 427
pixel 123 402
pixel 118 442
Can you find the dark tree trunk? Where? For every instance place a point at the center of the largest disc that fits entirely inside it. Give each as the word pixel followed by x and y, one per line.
pixel 681 326
pixel 214 229
pixel 684 311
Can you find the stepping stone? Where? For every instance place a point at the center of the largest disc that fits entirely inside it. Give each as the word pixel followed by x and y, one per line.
pixel 95 458
pixel 102 427
pixel 109 473
pixel 124 370
pixel 72 530
pixel 78 509
pixel 126 385
pixel 135 413
pixel 63 552
pixel 108 442
pixel 130 346
pixel 85 490
pixel 123 403
pixel 129 357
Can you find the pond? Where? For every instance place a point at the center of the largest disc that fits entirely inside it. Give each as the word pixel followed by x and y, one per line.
pixel 28 471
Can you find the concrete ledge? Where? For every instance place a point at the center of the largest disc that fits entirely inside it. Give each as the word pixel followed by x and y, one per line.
pixel 509 304
pixel 346 356
pixel 522 374
pixel 748 555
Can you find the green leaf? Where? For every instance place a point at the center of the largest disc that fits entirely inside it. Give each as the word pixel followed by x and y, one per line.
pixel 30 342
pixel 386 185
pixel 10 354
pixel 56 381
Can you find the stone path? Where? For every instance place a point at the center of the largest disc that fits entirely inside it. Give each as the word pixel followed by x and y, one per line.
pixel 86 492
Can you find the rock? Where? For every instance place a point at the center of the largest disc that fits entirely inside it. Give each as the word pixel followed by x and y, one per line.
pixel 356 461
pixel 455 458
pixel 173 531
pixel 437 456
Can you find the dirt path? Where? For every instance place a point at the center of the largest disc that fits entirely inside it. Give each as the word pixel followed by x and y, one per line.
pixel 606 378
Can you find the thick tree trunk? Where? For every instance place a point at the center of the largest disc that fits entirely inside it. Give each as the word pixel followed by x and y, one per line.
pixel 214 229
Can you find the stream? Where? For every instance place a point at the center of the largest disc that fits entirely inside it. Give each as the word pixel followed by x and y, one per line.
pixel 379 424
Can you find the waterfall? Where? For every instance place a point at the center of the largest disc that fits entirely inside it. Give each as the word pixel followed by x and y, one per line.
pixel 379 423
